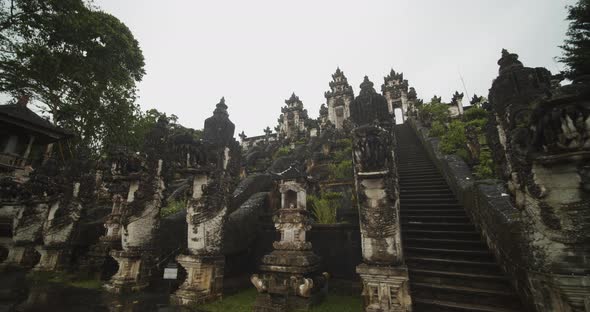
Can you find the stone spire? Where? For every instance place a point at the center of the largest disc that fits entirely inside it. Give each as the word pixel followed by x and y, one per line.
pixel 369 105
pixel 509 61
pixel 219 130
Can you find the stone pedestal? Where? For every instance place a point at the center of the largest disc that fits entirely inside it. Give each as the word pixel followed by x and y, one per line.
pixel 134 271
pixel 385 289
pixel 204 280
pixel 52 258
pixel 20 256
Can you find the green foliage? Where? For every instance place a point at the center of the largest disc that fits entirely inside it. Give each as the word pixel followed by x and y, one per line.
pixel 79 63
pixel 576 49
pixel 454 138
pixel 434 111
pixel 324 207
pixel 485 168
pixel 437 129
pixel 341 170
pixel 475 113
pixel 282 151
pixel 67 279
pixel 173 207
pixel 346 150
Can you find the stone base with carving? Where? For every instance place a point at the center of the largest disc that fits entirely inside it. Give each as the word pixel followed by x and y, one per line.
pixel 385 288
pixel 290 281
pixel 24 257
pixel 134 271
pixel 52 258
pixel 204 280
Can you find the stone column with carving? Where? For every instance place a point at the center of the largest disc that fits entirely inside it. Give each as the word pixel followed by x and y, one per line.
pixel 63 218
pixel 383 273
pixel 540 139
pixel 395 91
pixel 216 163
pixel 145 175
pixel 290 278
pixel 37 195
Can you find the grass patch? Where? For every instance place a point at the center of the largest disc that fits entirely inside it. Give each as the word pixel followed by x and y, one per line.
pixel 244 301
pixel 67 279
pixel 240 302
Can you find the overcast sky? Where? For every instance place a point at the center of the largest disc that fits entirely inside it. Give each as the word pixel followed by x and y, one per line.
pixel 257 52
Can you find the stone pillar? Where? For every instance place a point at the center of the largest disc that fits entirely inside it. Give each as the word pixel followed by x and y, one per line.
pixel 212 173
pixel 141 217
pixel 290 278
pixel 383 273
pixel 205 263
pixel 541 146
pixel 139 222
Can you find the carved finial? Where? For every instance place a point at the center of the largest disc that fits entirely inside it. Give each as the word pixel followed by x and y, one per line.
pixel 367 86
pixel 243 135
pixel 508 61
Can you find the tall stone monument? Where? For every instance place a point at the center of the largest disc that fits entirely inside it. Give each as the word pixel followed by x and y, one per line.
pixel 216 164
pixel 145 177
pixel 383 273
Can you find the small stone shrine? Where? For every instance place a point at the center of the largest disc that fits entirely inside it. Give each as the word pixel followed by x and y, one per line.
pixel 290 278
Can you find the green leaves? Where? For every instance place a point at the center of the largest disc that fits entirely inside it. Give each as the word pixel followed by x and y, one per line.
pixel 324 207
pixel 576 49
pixel 81 64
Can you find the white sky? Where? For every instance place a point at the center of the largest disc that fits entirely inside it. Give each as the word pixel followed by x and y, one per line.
pixel 257 52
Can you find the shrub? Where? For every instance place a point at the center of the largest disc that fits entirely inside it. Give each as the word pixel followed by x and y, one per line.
pixel 346 150
pixel 282 151
pixel 341 170
pixel 437 130
pixel 475 113
pixel 173 207
pixel 485 168
pixel 323 208
pixel 434 112
pixel 454 138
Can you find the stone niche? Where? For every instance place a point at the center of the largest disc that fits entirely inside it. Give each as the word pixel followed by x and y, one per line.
pixel 290 278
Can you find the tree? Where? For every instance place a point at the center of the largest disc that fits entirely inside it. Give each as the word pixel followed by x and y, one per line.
pixel 576 50
pixel 81 64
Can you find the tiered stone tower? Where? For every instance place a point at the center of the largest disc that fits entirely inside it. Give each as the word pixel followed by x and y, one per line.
pixel 293 118
pixel 339 99
pixel 395 91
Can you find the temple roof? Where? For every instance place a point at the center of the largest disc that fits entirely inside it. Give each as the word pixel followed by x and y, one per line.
pixel 21 116
pixel 369 105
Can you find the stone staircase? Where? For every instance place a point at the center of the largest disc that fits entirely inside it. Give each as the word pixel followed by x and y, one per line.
pixel 450 266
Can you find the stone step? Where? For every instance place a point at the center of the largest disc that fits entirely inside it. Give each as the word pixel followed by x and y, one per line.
pixel 465 295
pixel 446 242
pixel 474 254
pixel 435 217
pixel 417 194
pixel 410 205
pixel 437 226
pixel 423 185
pixel 428 305
pixel 428 200
pixel 462 266
pixel 411 180
pixel 483 281
pixel 441 234
pixel 432 212
pixel 430 191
